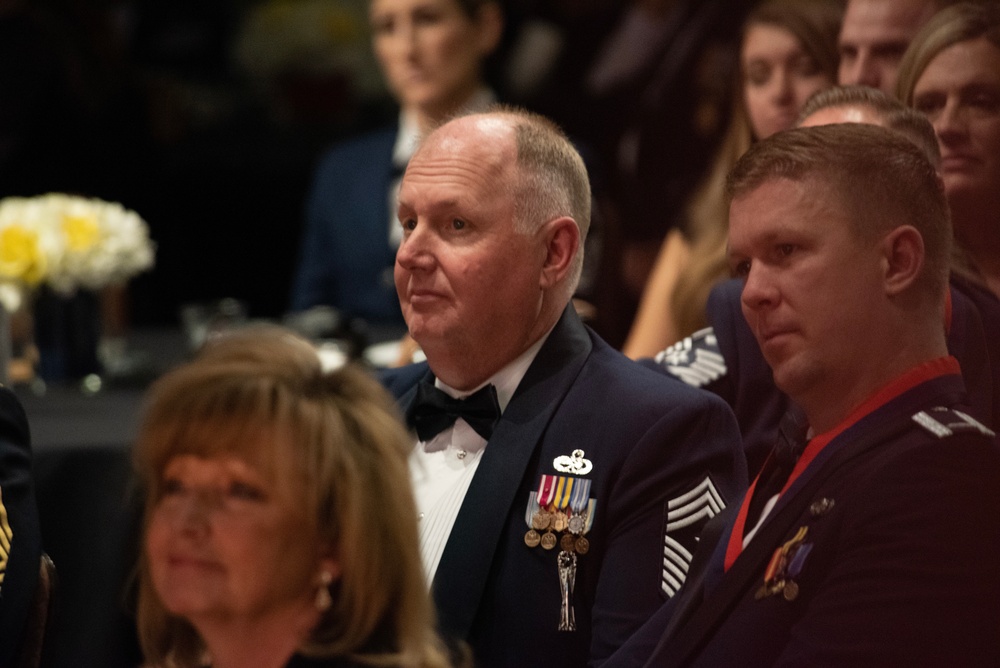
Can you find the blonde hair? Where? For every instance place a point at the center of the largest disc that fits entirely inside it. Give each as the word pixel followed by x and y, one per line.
pixel 958 23
pixel 340 447
pixel 815 24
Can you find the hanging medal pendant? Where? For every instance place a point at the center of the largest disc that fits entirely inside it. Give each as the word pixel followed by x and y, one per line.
pixel 567 580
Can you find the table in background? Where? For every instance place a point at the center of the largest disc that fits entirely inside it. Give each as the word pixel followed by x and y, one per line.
pixel 88 512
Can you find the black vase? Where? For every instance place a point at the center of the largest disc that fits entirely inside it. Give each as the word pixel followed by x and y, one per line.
pixel 67 333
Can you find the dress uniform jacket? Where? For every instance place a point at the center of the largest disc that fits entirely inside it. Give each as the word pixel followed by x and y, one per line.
pixel 664 458
pixel 345 259
pixel 20 540
pixel 726 359
pixel 883 552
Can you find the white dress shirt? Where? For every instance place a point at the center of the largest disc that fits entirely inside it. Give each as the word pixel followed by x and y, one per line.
pixel 769 506
pixel 442 468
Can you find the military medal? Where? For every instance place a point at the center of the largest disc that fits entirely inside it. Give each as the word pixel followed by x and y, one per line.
pixel 548 540
pixel 786 563
pixel 546 490
pixel 562 505
pixel 567 581
pixel 560 502
pixel 567 543
pixel 541 520
pixel 578 505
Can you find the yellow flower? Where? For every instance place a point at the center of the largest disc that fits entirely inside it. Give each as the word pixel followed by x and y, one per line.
pixel 21 256
pixel 81 230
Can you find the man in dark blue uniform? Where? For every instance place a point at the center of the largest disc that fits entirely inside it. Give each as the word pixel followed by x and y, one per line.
pixel 869 537
pixel 20 540
pixel 725 358
pixel 561 487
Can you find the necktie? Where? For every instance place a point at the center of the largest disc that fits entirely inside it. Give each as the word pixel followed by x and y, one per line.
pixel 791 442
pixel 433 411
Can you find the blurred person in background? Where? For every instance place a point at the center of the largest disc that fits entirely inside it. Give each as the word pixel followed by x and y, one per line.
pixel 280 528
pixel 432 54
pixel 951 74
pixel 644 83
pixel 787 54
pixel 874 37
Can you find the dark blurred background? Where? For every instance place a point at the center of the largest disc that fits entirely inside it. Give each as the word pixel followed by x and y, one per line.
pixel 150 103
pixel 207 117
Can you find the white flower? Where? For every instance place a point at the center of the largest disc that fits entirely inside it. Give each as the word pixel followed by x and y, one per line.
pixel 11 296
pixel 69 242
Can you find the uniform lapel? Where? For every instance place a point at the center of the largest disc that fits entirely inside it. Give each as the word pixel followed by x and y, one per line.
pixel 748 568
pixel 465 564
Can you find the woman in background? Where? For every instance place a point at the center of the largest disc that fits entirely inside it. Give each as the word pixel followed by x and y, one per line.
pixel 788 52
pixel 432 54
pixel 951 74
pixel 279 528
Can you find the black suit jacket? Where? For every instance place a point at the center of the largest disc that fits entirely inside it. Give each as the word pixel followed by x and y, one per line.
pixel 651 440
pixel 901 523
pixel 20 547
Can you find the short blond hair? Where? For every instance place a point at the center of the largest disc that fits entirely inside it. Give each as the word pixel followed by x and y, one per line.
pixel 883 179
pixel 958 23
pixel 337 443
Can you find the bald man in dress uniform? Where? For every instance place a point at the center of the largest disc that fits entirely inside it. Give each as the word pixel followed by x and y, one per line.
pixel 561 486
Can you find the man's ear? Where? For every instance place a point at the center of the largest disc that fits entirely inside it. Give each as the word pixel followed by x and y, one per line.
pixel 902 258
pixel 562 243
pixel 489 24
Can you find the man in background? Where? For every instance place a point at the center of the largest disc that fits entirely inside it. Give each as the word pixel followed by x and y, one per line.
pixel 874 36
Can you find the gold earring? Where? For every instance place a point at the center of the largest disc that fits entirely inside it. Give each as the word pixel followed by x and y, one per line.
pixel 323 599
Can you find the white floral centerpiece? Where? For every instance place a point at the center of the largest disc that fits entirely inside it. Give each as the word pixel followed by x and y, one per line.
pixel 68 242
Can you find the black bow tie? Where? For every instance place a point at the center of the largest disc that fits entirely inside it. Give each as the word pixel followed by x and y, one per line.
pixel 433 411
